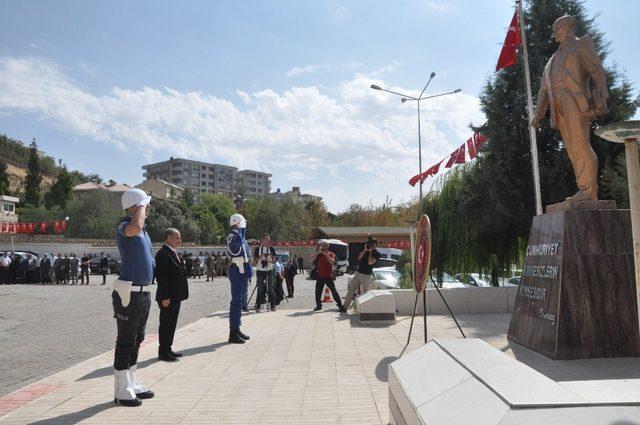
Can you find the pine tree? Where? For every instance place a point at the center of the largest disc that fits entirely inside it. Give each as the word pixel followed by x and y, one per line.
pixel 4 179
pixel 61 191
pixel 33 178
pixel 494 195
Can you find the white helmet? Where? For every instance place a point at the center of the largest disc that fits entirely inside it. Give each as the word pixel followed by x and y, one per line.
pixel 239 220
pixel 135 197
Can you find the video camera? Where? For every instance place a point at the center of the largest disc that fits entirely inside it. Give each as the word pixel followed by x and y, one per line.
pixel 371 241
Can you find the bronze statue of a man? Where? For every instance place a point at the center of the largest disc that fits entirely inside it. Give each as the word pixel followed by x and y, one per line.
pixel 566 90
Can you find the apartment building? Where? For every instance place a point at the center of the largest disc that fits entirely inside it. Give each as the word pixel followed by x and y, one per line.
pixel 251 183
pixel 199 177
pixel 203 177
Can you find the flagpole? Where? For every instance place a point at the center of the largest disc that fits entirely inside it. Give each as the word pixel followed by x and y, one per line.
pixel 532 131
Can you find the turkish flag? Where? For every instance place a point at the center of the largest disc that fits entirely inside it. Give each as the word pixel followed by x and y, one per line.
pixel 479 139
pixel 3 228
pixel 460 159
pixel 56 227
pixel 43 227
pixel 452 159
pixel 30 228
pixel 431 171
pixel 511 41
pixel 471 147
pixel 63 225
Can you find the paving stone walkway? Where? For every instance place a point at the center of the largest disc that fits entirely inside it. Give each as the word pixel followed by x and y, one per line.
pixel 299 367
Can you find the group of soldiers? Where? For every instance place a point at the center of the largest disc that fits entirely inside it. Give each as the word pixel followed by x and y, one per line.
pixel 217 265
pixel 49 269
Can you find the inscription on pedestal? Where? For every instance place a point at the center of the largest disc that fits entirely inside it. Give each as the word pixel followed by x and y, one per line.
pixel 577 293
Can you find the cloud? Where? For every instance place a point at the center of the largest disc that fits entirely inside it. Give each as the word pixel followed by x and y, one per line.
pixel 357 146
pixel 309 69
pixel 86 68
pixel 436 6
pixel 299 70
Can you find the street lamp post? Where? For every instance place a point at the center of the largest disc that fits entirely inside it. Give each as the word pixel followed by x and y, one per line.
pixel 407 98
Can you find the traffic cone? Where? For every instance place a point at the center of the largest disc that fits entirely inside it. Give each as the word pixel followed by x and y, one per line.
pixel 327 296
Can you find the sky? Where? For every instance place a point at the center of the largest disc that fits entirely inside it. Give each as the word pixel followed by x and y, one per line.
pixel 276 86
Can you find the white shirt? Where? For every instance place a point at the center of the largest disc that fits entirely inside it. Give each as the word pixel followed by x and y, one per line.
pixel 5 261
pixel 264 253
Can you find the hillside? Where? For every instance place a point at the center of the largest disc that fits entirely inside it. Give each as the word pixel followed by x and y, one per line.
pixel 16 154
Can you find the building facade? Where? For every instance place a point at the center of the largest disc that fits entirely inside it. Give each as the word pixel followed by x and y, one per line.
pixel 199 177
pixel 8 209
pixel 295 195
pixel 113 192
pixel 161 189
pixel 251 184
pixel 203 177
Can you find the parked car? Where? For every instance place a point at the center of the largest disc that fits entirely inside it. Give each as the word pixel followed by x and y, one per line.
pixel 447 282
pixel 385 262
pixel 514 281
pixel 386 278
pixel 283 257
pixel 94 265
pixel 31 275
pixel 473 279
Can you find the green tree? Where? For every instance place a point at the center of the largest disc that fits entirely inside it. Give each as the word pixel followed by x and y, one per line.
pixel 212 215
pixel 91 216
pixel 168 214
pixel 188 199
pixel 60 193
pixel 282 219
pixel 4 179
pixel 36 214
pixel 481 213
pixel 33 178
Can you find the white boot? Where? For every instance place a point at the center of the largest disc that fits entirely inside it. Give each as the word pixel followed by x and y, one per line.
pixel 140 390
pixel 124 393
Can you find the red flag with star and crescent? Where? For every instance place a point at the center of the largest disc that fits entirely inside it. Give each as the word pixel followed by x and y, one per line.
pixel 511 42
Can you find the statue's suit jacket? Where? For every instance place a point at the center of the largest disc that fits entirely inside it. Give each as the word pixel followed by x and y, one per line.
pixel 579 63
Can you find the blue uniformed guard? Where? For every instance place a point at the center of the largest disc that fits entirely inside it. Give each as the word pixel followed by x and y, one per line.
pixel 131 299
pixel 239 275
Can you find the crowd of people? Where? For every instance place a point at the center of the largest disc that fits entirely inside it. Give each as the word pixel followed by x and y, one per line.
pixel 60 269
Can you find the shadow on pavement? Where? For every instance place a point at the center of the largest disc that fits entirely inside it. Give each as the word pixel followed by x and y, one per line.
pixel 76 417
pixel 304 313
pixel 219 314
pixel 382 369
pixel 107 371
pixel 204 349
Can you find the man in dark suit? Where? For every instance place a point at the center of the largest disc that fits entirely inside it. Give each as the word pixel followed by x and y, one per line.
pixel 172 290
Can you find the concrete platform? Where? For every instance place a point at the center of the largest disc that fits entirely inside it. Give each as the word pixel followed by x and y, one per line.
pixel 463 381
pixel 300 367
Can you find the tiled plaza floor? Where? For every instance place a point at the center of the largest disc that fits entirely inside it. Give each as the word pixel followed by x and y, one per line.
pixel 298 368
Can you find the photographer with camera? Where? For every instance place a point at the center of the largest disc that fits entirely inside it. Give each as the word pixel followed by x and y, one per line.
pixel 264 257
pixel 324 263
pixel 361 279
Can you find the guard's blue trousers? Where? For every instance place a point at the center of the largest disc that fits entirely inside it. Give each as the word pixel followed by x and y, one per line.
pixel 238 288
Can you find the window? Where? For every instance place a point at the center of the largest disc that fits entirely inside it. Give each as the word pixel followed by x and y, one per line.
pixel 8 208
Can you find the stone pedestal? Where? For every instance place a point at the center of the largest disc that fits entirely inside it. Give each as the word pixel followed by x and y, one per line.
pixel 577 293
pixel 376 307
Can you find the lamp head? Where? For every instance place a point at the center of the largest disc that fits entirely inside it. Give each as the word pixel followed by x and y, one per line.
pixel 457 90
pixel 373 86
pixel 433 74
pixel 404 99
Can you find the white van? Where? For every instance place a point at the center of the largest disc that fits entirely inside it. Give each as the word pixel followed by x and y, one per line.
pixel 341 251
